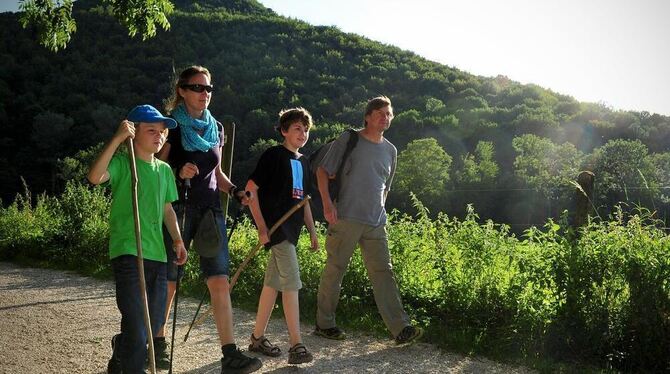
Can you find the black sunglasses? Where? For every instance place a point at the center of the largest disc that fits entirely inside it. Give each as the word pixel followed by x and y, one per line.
pixel 197 87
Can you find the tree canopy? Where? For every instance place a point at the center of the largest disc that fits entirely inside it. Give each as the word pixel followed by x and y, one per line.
pixel 55 24
pixel 508 144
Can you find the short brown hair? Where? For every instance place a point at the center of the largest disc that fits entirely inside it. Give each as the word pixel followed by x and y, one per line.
pixel 289 116
pixel 376 103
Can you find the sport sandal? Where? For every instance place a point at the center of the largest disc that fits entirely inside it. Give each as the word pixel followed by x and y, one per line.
pixel 263 345
pixel 298 354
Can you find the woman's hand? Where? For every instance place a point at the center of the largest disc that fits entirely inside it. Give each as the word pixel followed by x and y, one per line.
pixel 188 171
pixel 243 197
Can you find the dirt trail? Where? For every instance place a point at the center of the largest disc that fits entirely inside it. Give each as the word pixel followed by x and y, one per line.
pixel 60 322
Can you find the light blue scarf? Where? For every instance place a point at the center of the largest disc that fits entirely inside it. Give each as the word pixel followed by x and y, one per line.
pixel 190 139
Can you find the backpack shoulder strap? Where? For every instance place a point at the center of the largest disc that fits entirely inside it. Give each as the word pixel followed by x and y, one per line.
pixel 351 144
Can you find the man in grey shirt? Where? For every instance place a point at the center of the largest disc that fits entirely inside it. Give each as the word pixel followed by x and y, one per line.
pixel 358 217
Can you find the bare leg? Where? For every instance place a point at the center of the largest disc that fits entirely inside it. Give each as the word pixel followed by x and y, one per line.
pixel 292 315
pixel 171 287
pixel 219 290
pixel 265 305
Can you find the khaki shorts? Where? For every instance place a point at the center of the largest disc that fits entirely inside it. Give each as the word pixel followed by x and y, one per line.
pixel 283 273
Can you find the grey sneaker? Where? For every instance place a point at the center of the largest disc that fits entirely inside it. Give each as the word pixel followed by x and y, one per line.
pixel 333 333
pixel 409 334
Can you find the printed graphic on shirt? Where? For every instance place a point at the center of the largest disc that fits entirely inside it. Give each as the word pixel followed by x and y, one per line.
pixel 296 169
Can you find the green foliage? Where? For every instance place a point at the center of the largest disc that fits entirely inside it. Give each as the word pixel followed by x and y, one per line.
pixel 480 167
pixel 84 229
pixel 52 19
pixel 57 104
pixel 142 16
pixel 622 167
pixel 617 296
pixel 76 168
pixel 69 231
pixel 599 296
pixel 661 166
pixel 423 169
pixel 544 165
pixel 55 24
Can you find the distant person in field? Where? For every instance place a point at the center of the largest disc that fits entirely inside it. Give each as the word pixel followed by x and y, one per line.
pixel 156 191
pixel 358 217
pixel 279 183
pixel 194 151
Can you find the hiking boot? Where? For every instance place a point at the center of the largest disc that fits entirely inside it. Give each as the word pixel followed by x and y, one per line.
pixel 298 354
pixel 333 333
pixel 238 363
pixel 409 334
pixel 161 353
pixel 114 364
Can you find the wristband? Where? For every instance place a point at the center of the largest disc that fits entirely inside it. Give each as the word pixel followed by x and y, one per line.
pixel 231 190
pixel 177 242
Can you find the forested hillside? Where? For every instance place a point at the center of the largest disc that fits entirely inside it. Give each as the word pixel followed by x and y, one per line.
pixel 510 149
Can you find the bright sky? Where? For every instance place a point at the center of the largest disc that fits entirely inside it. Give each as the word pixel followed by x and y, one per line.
pixel 612 51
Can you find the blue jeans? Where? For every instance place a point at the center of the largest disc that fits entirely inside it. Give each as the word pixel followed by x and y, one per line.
pixel 209 266
pixel 131 345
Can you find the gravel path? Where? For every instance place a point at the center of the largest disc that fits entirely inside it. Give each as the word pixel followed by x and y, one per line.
pixel 60 322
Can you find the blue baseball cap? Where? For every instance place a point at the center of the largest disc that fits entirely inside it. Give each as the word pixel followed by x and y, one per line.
pixel 149 114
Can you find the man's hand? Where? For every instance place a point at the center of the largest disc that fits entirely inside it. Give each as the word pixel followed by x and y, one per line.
pixel 330 212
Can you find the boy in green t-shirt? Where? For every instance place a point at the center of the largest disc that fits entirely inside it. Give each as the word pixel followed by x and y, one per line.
pixel 156 191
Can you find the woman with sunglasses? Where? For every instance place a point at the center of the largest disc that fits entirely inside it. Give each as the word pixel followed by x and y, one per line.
pixel 194 151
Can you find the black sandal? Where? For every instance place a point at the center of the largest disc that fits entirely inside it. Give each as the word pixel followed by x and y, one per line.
pixel 263 345
pixel 298 354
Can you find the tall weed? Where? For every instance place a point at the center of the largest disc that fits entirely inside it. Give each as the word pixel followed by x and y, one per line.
pixel 600 295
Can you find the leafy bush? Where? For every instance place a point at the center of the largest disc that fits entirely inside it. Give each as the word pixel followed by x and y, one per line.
pixel 69 231
pixel 597 296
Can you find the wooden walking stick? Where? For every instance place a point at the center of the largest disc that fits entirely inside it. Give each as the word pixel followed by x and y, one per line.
pixel 140 258
pixel 253 252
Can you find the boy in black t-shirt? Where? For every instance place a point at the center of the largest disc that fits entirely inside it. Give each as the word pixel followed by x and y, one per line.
pixel 277 184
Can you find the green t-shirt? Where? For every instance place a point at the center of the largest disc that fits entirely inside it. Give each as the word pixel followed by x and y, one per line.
pixel 155 187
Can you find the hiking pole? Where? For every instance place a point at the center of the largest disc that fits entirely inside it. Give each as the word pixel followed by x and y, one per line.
pixel 140 258
pixel 204 295
pixel 187 185
pixel 252 253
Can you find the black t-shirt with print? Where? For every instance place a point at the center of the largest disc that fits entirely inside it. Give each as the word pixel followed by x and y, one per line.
pixel 204 190
pixel 282 178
